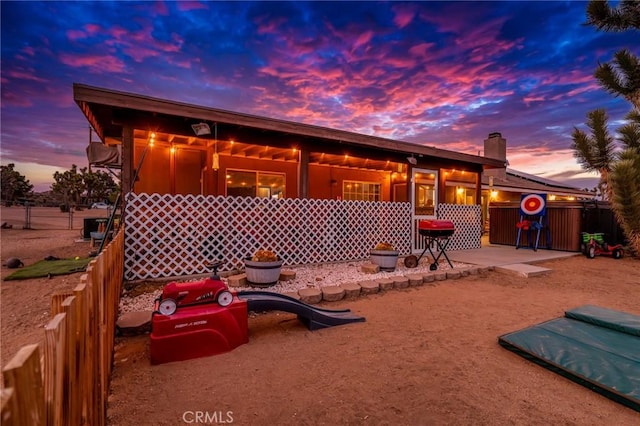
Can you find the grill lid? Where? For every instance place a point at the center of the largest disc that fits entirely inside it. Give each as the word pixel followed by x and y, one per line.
pixel 435 225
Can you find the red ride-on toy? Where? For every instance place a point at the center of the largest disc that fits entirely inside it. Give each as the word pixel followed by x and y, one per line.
pixel 594 245
pixel 197 318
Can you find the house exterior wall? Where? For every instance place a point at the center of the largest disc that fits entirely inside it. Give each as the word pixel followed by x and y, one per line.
pixel 188 166
pixel 290 169
pixel 186 171
pixel 325 182
pixel 154 175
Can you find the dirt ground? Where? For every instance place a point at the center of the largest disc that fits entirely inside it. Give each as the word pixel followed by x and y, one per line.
pixel 25 304
pixel 426 355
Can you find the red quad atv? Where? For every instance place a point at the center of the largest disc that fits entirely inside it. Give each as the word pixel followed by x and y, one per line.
pixel 594 245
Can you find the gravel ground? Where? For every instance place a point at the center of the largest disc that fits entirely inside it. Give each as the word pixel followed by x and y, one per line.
pixel 307 276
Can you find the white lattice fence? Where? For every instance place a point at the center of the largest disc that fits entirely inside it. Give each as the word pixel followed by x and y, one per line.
pixel 467 220
pixel 172 235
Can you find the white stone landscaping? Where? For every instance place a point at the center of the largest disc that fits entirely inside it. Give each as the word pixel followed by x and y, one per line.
pixel 348 275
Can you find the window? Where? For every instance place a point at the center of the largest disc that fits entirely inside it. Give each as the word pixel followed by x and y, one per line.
pixel 363 191
pixel 255 184
pixel 460 187
pixel 425 194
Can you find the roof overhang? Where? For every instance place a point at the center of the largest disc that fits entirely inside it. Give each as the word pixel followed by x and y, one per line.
pixel 108 111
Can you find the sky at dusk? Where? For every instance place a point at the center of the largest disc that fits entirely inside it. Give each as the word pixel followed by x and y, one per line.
pixel 443 74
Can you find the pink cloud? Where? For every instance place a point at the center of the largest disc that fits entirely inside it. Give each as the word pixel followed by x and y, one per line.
pixel 92 28
pixel 74 35
pixel 273 26
pixel 140 44
pixel 96 63
pixel 10 98
pixel 572 77
pixel 29 51
pixel 160 7
pixel 363 39
pixel 404 14
pixel 87 31
pixel 420 50
pixel 185 6
pixel 29 75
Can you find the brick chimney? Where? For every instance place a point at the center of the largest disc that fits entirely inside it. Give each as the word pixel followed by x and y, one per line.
pixel 495 146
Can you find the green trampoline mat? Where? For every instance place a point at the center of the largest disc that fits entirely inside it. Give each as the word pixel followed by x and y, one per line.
pixel 594 350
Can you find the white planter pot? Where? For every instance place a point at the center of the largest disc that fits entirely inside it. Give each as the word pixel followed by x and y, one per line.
pixel 262 274
pixel 387 260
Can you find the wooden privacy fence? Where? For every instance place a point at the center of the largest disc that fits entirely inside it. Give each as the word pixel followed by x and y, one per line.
pixel 565 221
pixel 66 381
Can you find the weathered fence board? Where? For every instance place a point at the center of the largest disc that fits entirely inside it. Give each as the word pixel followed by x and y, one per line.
pixel 72 383
pixel 23 373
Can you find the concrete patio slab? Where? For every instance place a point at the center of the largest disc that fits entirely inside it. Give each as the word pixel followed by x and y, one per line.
pixel 522 270
pixel 493 255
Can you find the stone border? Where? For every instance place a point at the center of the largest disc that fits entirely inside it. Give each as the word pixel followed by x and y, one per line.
pixel 134 323
pixel 354 290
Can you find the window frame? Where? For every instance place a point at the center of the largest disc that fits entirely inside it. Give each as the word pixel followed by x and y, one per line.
pixel 257 186
pixel 377 195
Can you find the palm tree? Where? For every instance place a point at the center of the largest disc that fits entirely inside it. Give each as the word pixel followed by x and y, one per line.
pixel 595 152
pixel 625 178
pixel 630 132
pixel 625 202
pixel 620 172
pixel 602 16
pixel 621 77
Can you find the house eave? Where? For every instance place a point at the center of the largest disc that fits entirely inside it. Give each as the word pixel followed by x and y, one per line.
pixel 91 99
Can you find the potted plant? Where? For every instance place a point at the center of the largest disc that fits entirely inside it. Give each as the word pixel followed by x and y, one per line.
pixel 263 268
pixel 385 256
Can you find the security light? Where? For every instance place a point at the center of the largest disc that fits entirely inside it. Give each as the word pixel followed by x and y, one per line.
pixel 412 160
pixel 201 129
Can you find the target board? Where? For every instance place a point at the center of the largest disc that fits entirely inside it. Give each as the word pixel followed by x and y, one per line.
pixel 533 204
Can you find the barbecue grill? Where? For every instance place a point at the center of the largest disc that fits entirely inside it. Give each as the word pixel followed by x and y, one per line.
pixel 437 231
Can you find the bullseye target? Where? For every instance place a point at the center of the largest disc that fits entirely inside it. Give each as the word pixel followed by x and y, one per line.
pixel 533 204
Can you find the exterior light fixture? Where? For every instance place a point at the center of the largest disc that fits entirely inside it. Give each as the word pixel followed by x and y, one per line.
pixel 412 160
pixel 201 129
pixel 216 161
pixel 216 157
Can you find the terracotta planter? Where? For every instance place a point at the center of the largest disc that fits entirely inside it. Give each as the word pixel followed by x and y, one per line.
pixel 262 274
pixel 387 260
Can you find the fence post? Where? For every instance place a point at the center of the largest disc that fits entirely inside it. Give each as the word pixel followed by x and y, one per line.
pixel 81 291
pixel 27 216
pixel 68 303
pixel 55 369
